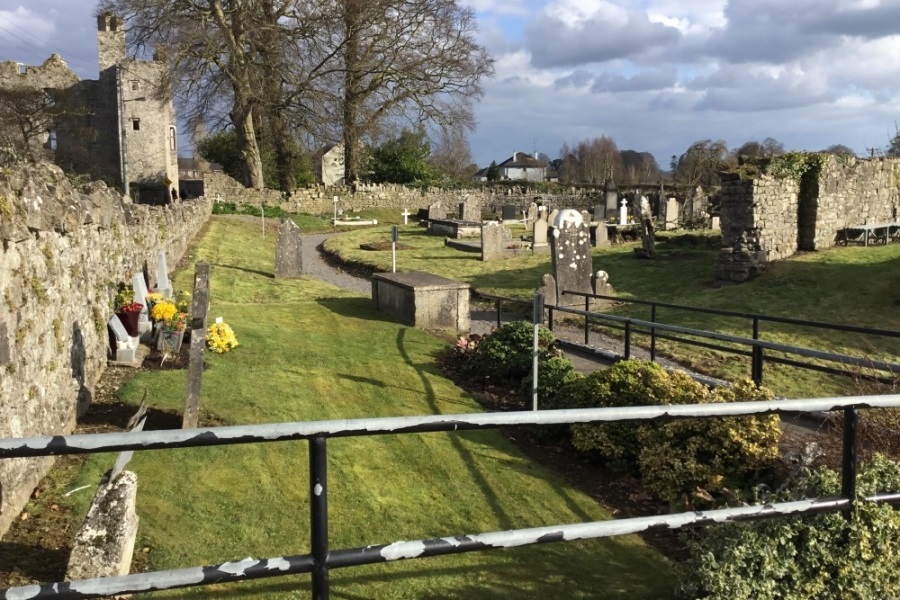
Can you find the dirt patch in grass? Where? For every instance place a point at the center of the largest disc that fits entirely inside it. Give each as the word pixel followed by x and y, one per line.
pixel 37 546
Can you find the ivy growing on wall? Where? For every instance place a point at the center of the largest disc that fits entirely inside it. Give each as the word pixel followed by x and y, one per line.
pixel 796 165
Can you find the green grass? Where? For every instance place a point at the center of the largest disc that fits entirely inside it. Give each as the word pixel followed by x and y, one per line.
pixel 310 351
pixel 852 285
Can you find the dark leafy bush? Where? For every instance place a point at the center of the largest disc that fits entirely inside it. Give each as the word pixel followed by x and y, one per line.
pixel 505 356
pixel 224 208
pixel 823 556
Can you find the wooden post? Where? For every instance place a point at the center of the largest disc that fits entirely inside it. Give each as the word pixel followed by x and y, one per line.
pixel 199 308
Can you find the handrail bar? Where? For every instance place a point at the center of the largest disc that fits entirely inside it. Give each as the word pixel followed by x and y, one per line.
pixel 730 313
pixel 840 358
pixel 305 430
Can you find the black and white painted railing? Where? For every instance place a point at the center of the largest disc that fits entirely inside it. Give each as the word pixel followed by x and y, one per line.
pixel 321 558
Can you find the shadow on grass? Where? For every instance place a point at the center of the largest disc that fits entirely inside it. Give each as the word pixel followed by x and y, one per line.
pixel 354 308
pixel 245 270
pixel 606 569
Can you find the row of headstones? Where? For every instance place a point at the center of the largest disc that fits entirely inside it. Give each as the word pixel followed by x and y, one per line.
pixel 468 210
pixel 126 345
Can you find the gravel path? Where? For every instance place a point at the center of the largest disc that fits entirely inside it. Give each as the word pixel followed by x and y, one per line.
pixel 482 321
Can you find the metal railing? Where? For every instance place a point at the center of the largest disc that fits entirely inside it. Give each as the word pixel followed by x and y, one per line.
pixel 658 330
pixel 321 559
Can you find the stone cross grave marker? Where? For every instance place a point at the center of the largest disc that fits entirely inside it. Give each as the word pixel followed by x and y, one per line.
pixel 406 215
pixel 493 239
pixel 623 212
pixel 288 251
pixel 163 285
pixel 570 250
pixel 199 308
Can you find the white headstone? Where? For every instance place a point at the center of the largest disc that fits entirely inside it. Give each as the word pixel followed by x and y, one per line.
pixel 140 292
pixel 119 330
pixel 406 214
pixel 623 212
pixel 164 286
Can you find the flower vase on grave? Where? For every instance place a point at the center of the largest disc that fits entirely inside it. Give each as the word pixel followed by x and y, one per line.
pixel 130 318
pixel 169 341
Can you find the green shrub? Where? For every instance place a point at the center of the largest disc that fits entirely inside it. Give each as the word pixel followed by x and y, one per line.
pixel 822 556
pixel 224 208
pixel 627 383
pixel 554 377
pixel 505 356
pixel 707 455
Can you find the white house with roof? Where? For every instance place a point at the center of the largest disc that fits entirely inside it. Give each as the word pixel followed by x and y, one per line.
pixel 523 167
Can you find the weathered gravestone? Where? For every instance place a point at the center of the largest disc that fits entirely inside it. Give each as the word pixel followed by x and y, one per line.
pixel 539 244
pixel 104 545
pixel 548 289
pixel 611 196
pixel 601 287
pixel 599 212
pixel 199 308
pixel 672 215
pixel 570 250
pixel 601 235
pixel 533 210
pixel 470 210
pixel 551 218
pixel 288 251
pixel 585 216
pixel 494 238
pixel 163 284
pixel 437 211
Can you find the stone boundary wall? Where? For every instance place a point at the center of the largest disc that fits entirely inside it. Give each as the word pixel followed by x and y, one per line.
pixel 767 218
pixel 64 252
pixel 319 199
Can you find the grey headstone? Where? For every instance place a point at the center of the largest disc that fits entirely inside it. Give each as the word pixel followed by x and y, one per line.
pixel 548 289
pixel 437 211
pixel 600 212
pixel 493 239
pixel 470 210
pixel 288 251
pixel 539 241
pixel 601 235
pixel 585 216
pixel 552 216
pixel 125 457
pixel 140 292
pixel 532 212
pixel 567 215
pixel 570 250
pixel 716 226
pixel 162 275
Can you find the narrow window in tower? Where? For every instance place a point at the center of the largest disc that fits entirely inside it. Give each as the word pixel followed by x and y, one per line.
pixel 136 124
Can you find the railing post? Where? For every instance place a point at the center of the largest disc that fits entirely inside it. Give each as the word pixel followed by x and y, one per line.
pixel 848 460
pixel 498 313
pixel 550 317
pixel 756 366
pixel 587 324
pixel 627 339
pixel 653 333
pixel 318 505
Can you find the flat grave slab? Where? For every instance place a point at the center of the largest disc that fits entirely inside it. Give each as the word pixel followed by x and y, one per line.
pixel 423 300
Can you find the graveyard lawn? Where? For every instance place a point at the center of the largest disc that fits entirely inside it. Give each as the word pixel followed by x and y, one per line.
pixel 310 351
pixel 847 285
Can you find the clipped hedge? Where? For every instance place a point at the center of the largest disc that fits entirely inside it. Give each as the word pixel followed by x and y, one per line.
pixel 710 455
pixel 823 556
pixel 683 459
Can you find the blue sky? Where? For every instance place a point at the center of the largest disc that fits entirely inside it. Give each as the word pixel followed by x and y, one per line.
pixel 655 75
